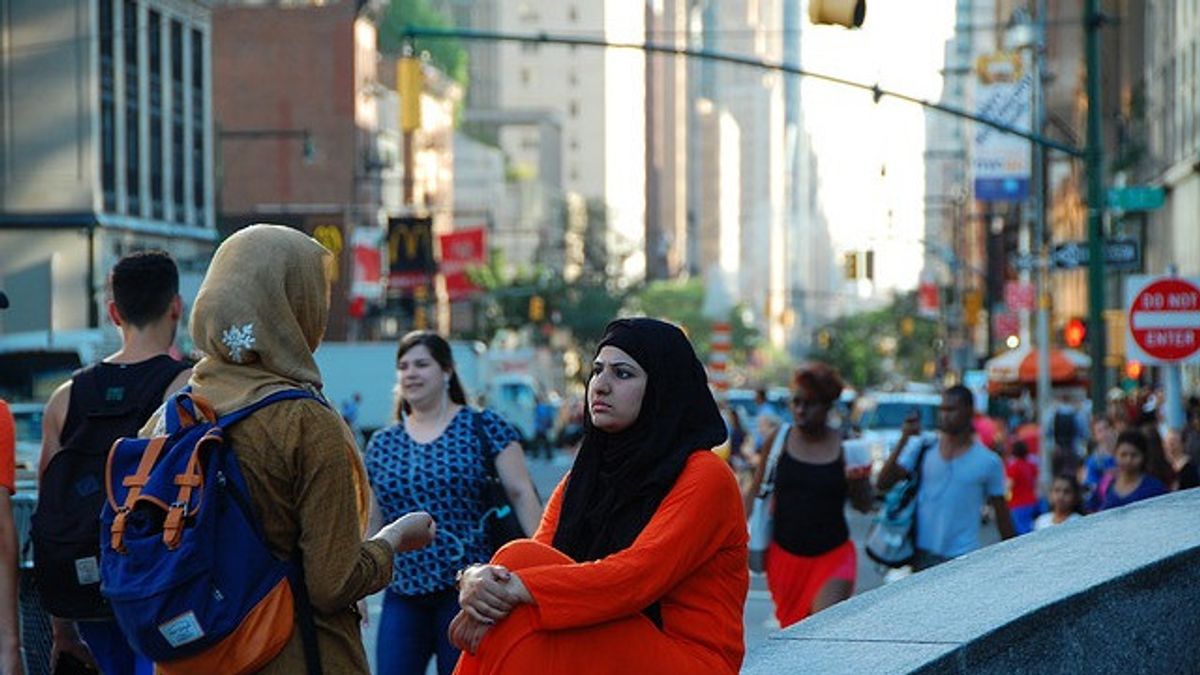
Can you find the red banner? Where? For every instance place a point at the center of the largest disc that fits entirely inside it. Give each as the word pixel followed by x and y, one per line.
pixel 461 250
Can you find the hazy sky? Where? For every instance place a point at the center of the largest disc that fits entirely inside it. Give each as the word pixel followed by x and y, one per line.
pixel 902 48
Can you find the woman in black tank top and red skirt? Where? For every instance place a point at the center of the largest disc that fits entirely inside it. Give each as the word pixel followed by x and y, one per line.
pixel 811 563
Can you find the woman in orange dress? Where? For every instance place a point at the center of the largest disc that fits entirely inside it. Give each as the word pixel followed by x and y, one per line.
pixel 640 562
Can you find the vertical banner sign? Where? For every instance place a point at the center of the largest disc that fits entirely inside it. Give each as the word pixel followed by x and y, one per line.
pixel 461 250
pixel 928 299
pixel 1003 94
pixel 1019 296
pixel 368 265
pixel 410 254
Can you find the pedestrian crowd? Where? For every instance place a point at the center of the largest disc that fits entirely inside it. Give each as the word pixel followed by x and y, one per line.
pixel 637 562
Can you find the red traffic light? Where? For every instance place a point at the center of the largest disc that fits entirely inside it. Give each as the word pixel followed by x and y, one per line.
pixel 1075 333
pixel 1133 370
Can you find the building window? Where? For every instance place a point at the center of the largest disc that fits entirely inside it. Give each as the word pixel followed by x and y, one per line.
pixel 526 77
pixel 154 46
pixel 573 108
pixel 133 91
pixel 198 106
pixel 177 142
pixel 530 47
pixel 572 13
pixel 572 77
pixel 108 107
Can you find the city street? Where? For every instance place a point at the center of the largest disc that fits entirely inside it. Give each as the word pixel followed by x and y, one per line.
pixel 759 618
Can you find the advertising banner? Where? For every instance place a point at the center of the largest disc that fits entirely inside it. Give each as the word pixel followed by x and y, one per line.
pixel 461 250
pixel 1000 161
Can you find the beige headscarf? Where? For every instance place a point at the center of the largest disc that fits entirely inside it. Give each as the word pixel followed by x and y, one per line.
pixel 260 314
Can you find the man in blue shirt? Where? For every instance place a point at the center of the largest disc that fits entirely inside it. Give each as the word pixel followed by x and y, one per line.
pixel 958 475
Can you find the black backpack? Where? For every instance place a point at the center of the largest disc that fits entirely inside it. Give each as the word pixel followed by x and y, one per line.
pixel 108 401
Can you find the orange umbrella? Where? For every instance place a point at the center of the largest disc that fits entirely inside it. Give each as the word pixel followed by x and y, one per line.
pixel 1062 368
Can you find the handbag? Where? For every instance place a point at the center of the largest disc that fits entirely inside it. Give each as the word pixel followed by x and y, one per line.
pixel 500 519
pixel 892 538
pixel 761 521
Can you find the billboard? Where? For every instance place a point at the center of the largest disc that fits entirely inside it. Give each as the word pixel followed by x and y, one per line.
pixel 1001 161
pixel 410 254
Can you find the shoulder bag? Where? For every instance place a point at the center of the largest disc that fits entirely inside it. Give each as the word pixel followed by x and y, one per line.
pixel 500 519
pixel 761 521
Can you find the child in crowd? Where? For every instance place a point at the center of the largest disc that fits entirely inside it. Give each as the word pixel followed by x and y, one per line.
pixel 1066 502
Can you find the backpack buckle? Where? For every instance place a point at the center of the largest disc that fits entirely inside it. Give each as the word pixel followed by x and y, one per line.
pixel 173 525
pixel 117 540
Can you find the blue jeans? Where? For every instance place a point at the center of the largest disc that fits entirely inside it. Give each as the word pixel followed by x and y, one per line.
pixel 412 628
pixel 113 654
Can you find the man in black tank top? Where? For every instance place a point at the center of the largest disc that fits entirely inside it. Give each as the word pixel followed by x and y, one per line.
pixel 83 417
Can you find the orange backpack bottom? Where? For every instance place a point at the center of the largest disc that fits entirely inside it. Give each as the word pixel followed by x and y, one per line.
pixel 258 639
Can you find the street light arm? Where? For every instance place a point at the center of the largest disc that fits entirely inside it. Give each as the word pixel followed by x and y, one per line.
pixel 412 32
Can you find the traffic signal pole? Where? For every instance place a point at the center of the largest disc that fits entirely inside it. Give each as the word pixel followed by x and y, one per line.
pixel 1095 166
pixel 1092 154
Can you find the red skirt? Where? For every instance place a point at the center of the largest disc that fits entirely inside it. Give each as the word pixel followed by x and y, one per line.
pixel 796 580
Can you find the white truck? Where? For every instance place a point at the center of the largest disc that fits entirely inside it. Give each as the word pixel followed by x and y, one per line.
pixel 500 380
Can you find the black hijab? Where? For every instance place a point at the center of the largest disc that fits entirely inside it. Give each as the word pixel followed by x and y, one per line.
pixel 618 480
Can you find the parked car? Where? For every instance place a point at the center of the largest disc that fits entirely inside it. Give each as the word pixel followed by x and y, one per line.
pixel 881 419
pixel 28 418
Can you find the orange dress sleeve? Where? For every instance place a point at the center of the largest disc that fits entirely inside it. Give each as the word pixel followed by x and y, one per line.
pixel 688 529
pixel 8 448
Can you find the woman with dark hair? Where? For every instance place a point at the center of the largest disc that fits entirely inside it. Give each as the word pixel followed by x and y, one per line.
pixel 437 456
pixel 811 562
pixel 639 565
pixel 1130 482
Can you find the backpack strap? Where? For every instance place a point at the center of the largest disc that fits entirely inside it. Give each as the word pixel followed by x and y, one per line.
pixel 191 478
pixel 238 415
pixel 768 484
pixel 916 477
pixel 135 483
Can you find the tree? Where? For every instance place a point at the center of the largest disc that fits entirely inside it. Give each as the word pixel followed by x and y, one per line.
pixel 682 302
pixel 448 55
pixel 872 347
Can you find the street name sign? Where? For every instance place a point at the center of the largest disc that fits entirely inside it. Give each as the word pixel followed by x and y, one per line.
pixel 1119 254
pixel 1164 319
pixel 1137 198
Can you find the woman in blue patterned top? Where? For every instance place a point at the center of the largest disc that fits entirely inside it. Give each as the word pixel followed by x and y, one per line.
pixel 433 458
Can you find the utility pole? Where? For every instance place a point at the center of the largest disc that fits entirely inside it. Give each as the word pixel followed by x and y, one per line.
pixel 1094 21
pixel 1039 248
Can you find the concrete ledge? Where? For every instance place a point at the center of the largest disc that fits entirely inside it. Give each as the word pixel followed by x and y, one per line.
pixel 1115 592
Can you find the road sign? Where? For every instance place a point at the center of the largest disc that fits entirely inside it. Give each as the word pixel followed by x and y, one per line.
pixel 1136 198
pixel 1119 254
pixel 1164 319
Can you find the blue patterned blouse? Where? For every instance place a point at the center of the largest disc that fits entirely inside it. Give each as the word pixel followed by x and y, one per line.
pixel 445 477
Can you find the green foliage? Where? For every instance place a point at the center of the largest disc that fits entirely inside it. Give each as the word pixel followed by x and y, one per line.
pixel 448 55
pixel 863 346
pixel 682 302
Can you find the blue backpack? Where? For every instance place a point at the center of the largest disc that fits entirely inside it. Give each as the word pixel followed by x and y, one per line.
pixel 184 561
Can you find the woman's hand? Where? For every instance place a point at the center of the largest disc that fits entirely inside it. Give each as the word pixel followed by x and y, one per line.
pixel 466 633
pixel 489 592
pixel 409 532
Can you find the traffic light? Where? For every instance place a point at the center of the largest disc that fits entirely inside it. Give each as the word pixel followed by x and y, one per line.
pixel 1074 333
pixel 848 13
pixel 1133 370
pixel 537 308
pixel 410 82
pixel 850 264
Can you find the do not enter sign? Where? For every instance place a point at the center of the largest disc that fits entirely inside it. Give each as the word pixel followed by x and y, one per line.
pixel 1164 318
